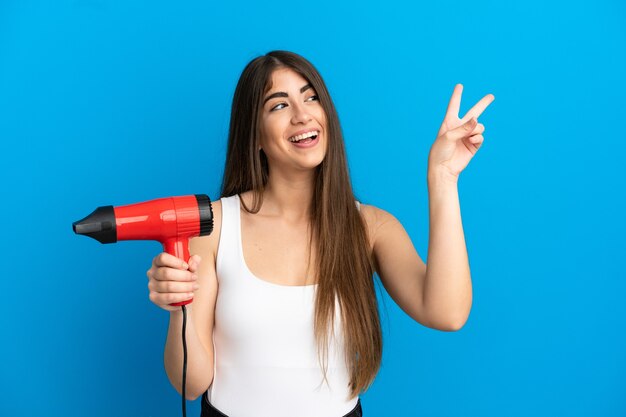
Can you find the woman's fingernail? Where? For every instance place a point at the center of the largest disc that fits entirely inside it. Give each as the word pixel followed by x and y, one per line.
pixel 196 286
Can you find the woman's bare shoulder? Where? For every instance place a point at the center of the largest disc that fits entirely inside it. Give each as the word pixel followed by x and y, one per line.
pixel 372 214
pixel 206 246
pixel 375 218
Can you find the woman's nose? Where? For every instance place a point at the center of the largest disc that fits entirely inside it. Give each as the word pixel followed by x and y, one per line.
pixel 300 114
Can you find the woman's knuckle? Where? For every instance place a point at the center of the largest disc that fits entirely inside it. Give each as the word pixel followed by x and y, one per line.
pixel 162 258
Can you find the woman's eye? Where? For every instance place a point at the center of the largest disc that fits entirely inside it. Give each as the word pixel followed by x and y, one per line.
pixel 313 97
pixel 277 107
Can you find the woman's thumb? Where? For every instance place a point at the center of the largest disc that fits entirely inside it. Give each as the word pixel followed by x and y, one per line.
pixel 194 262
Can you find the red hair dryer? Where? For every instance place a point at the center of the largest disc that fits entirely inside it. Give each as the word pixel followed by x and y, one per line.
pixel 171 221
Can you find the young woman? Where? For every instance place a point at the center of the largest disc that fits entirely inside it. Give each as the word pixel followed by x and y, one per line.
pixel 284 320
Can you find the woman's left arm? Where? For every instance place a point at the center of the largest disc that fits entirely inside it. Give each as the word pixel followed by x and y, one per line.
pixel 437 294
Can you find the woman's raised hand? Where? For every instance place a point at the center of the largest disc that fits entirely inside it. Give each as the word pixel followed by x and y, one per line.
pixel 458 139
pixel 170 280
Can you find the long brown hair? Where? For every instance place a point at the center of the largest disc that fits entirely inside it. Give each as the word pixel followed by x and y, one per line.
pixel 344 265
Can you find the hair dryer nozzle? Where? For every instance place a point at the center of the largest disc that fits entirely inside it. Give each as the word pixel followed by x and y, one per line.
pixel 206 214
pixel 99 225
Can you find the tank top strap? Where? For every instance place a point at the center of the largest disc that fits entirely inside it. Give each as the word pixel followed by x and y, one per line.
pixel 228 248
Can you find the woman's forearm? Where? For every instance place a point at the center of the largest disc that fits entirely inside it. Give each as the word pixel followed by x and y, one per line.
pixel 199 358
pixel 448 287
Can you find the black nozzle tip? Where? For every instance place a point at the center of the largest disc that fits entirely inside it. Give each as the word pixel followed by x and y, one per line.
pixel 99 225
pixel 206 214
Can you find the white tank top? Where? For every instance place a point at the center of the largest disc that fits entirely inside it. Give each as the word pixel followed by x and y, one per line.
pixel 266 361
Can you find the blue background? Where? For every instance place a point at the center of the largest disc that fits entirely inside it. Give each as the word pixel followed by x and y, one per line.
pixel 114 102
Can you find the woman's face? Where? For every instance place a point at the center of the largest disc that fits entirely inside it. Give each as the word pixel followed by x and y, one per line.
pixel 293 123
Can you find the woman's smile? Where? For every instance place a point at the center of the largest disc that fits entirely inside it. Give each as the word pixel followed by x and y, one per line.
pixel 301 135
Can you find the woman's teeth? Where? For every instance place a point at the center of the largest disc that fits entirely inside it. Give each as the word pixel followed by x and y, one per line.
pixel 298 138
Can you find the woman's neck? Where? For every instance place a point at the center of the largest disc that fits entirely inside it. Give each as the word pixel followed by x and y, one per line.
pixel 289 198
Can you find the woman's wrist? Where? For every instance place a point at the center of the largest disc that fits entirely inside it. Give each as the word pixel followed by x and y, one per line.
pixel 441 177
pixel 178 311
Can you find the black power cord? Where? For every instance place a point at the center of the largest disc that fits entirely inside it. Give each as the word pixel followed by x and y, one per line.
pixel 184 359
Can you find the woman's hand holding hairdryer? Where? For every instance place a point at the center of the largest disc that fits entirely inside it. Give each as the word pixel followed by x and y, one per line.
pixel 170 280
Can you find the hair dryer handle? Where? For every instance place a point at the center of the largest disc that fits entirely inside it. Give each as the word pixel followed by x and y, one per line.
pixel 180 249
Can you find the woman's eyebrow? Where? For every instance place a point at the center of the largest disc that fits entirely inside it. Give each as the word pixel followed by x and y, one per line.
pixel 283 94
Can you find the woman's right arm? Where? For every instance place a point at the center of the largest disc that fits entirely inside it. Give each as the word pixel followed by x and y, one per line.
pixel 172 281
